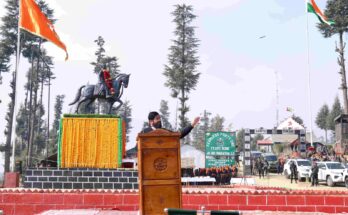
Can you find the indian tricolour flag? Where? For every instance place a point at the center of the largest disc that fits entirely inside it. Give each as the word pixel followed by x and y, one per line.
pixel 313 8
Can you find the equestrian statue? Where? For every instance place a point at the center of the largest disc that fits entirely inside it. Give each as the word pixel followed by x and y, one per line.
pixel 107 89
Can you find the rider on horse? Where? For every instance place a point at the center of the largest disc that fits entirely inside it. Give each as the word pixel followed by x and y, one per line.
pixel 106 81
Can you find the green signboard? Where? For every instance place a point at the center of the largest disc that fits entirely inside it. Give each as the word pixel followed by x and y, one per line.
pixel 219 148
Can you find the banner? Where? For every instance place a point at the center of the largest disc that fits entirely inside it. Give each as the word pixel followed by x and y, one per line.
pixel 220 148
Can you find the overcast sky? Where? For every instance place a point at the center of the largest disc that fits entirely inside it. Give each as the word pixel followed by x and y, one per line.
pixel 237 67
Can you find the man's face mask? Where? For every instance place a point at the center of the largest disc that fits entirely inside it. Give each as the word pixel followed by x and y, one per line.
pixel 158 124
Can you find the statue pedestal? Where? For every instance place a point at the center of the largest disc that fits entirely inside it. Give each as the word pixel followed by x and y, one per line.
pixel 91 141
pixel 159 171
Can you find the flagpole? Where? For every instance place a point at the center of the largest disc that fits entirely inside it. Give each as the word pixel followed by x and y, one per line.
pixel 13 135
pixel 309 79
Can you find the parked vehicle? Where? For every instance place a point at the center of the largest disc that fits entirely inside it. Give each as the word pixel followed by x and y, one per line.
pixel 255 154
pixel 332 172
pixel 272 161
pixel 345 175
pixel 303 168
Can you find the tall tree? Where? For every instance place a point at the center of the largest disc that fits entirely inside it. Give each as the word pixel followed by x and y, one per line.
pixel 164 111
pixel 336 110
pixel 7 148
pixel 8 36
pixel 100 53
pixel 198 133
pixel 337 11
pixel 8 42
pixel 322 119
pixel 125 113
pixel 181 72
pixel 111 64
pixel 5 53
pixel 22 129
pixel 240 139
pixel 58 110
pixel 297 119
pixel 102 59
pixel 39 140
pixel 217 123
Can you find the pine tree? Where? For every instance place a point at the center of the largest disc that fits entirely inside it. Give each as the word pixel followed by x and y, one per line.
pixel 337 11
pixel 8 42
pixel 100 53
pixel 198 133
pixel 58 110
pixel 22 130
pixel 322 119
pixel 217 123
pixel 164 112
pixel 125 113
pixel 336 110
pixel 8 47
pixel 181 73
pixel 113 67
pixel 5 53
pixel 39 142
pixel 7 148
pixel 240 139
pixel 297 119
pixel 103 59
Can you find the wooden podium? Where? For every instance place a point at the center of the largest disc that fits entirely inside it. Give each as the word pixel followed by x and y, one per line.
pixel 159 171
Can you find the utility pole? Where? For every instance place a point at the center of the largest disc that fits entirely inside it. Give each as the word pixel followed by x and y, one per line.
pixel 277 98
pixel 48 112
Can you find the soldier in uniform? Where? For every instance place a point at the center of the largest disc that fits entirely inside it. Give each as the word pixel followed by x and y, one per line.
pixel 105 79
pixel 314 175
pixel 293 169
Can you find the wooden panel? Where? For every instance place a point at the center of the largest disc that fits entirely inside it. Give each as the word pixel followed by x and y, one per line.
pixel 160 163
pixel 162 182
pixel 156 198
pixel 159 171
pixel 156 142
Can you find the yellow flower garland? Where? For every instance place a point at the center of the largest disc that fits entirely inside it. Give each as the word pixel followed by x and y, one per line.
pixel 91 142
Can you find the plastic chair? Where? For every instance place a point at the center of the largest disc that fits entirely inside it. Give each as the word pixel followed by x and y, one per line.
pixel 225 213
pixel 175 211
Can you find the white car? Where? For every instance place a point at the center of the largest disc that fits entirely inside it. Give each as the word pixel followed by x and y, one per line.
pixel 303 168
pixel 331 172
pixel 345 175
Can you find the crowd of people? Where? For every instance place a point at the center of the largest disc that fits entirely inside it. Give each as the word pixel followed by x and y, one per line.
pixel 221 174
pixel 259 166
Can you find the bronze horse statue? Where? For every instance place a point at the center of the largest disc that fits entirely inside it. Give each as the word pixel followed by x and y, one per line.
pixel 89 93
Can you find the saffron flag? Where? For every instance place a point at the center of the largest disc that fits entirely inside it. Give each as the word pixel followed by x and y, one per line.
pixel 33 20
pixel 313 8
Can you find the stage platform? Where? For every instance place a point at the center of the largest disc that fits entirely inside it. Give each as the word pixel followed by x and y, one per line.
pixel 113 212
pixel 248 199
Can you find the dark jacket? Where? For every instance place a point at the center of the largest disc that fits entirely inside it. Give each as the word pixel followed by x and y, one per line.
pixel 315 170
pixel 293 168
pixel 184 132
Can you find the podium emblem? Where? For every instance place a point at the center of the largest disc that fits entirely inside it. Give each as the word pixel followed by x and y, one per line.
pixel 160 164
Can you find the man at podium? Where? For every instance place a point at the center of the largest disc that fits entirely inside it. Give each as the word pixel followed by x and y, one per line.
pixel 156 123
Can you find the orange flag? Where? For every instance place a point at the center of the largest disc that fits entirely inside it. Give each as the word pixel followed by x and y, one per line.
pixel 34 21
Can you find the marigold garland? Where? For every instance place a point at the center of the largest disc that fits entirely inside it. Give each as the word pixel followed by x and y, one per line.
pixel 91 142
